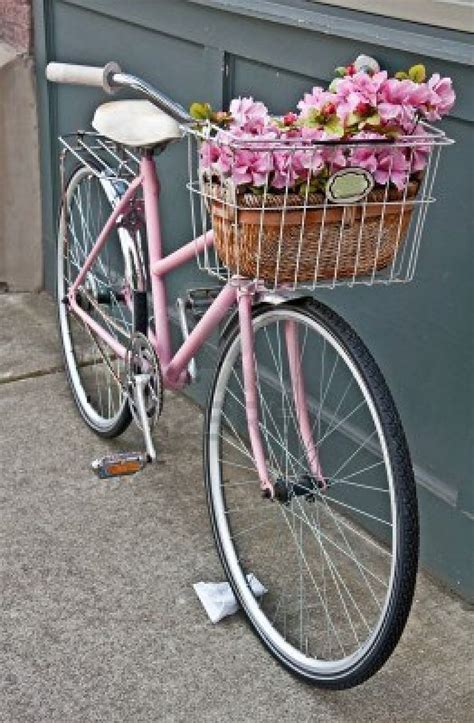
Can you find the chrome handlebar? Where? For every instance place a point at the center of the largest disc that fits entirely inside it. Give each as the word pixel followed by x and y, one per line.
pixel 111 79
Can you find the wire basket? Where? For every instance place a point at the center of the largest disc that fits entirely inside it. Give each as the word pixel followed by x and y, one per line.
pixel 103 157
pixel 323 214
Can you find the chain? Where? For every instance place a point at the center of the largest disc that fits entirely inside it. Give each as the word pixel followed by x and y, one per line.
pixel 96 342
pixel 106 359
pixel 107 319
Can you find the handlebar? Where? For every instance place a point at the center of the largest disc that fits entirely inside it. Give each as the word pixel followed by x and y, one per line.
pixel 111 79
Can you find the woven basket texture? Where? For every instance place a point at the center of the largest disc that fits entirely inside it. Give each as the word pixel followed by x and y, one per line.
pixel 269 240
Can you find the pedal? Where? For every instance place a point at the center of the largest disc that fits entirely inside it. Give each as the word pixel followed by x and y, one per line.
pixel 119 464
pixel 199 300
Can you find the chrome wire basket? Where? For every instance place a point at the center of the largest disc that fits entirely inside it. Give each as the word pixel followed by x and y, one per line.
pixel 306 214
pixel 103 157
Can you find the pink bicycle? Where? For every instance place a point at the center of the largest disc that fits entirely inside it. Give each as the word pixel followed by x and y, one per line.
pixel 307 472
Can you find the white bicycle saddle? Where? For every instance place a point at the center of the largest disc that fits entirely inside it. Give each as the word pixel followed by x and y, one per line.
pixel 135 123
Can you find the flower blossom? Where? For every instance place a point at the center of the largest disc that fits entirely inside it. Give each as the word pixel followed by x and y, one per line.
pixel 286 174
pixel 357 91
pixel 398 101
pixel 419 153
pixel 249 115
pixel 365 156
pixel 316 100
pixel 392 167
pixel 251 167
pixel 441 99
pixel 215 158
pixel 256 150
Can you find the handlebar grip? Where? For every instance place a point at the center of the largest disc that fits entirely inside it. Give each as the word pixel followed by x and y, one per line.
pixel 83 74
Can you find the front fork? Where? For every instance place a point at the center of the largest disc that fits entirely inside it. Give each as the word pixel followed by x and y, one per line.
pixel 251 395
pixel 300 402
pixel 251 391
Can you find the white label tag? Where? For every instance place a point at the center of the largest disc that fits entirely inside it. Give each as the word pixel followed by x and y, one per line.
pixel 349 185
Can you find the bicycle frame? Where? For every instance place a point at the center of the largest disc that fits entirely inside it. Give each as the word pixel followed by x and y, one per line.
pixel 174 366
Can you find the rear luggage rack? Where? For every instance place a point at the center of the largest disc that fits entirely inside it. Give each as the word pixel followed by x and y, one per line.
pixel 103 157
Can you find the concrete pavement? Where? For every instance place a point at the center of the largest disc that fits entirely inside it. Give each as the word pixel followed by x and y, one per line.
pixel 99 620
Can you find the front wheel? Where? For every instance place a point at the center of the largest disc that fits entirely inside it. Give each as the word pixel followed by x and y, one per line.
pixel 337 548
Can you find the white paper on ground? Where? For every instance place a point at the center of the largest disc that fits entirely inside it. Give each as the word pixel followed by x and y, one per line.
pixel 219 600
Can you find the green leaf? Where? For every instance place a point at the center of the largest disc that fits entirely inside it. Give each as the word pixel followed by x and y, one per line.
pixel 417 73
pixel 353 118
pixel 373 120
pixel 313 119
pixel 340 71
pixel 334 126
pixel 311 187
pixel 200 111
pixel 401 75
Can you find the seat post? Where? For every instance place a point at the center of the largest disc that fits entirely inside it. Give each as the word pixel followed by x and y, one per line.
pixel 151 193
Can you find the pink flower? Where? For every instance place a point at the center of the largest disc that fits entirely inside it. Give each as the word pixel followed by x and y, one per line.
pixel 392 167
pixel 251 167
pixel 313 134
pixel 394 103
pixel 248 166
pixel 296 151
pixel 249 115
pixel 285 173
pixel 215 158
pixel 209 154
pixel 442 97
pixel 347 104
pixel 308 162
pixel 417 155
pixel 335 157
pixel 417 95
pixel 317 99
pixel 366 86
pixel 364 157
pixel 357 91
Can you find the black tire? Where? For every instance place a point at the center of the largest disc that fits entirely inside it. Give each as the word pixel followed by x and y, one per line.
pixel 405 568
pixel 118 422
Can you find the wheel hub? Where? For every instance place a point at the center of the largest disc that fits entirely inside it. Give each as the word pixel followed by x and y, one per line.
pixel 304 486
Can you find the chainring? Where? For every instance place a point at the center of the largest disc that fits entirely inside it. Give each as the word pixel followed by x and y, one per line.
pixel 141 358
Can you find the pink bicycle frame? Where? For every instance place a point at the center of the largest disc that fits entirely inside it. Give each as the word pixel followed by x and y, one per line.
pixel 174 366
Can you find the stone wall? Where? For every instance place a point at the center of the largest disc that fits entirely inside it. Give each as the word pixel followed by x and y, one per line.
pixel 21 267
pixel 16 23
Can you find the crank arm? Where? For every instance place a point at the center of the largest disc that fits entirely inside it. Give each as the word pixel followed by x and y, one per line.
pixel 141 380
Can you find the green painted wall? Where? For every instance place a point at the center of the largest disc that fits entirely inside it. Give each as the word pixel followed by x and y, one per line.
pixel 420 334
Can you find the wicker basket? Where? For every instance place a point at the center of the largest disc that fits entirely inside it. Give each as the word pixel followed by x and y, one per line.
pixel 337 242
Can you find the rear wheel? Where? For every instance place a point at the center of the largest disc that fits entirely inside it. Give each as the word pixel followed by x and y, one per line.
pixel 95 374
pixel 336 552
